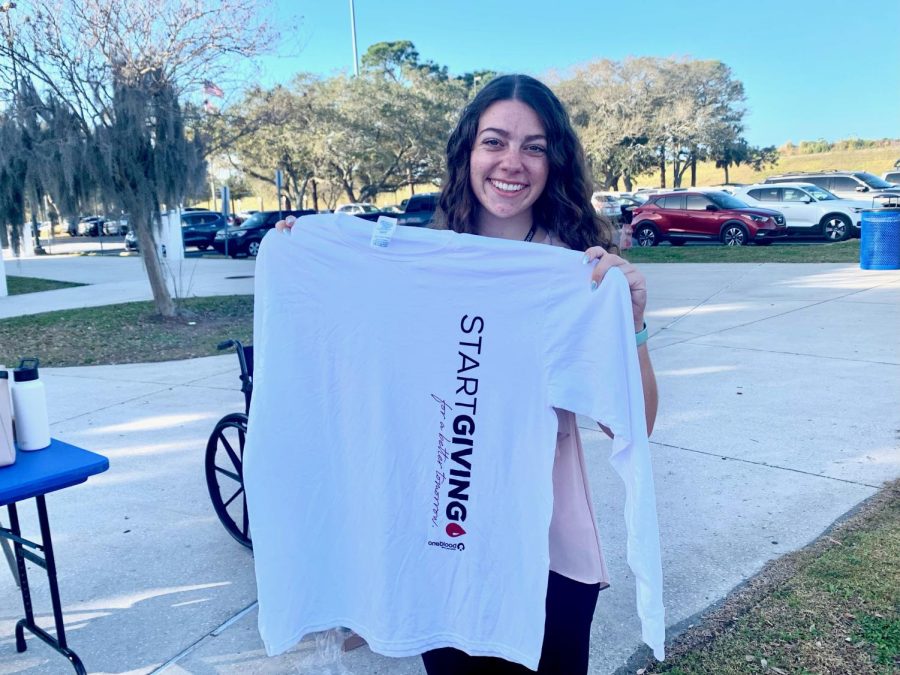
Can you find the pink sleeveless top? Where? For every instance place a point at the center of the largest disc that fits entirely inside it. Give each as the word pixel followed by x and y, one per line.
pixel 575 550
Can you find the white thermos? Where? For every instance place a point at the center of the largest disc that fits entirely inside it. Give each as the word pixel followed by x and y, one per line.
pixel 7 447
pixel 30 406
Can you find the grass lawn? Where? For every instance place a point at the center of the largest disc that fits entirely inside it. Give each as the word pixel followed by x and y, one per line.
pixel 127 333
pixel 19 285
pixel 833 607
pixel 840 252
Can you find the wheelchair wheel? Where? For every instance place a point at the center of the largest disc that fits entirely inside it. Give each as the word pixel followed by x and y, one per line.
pixel 225 475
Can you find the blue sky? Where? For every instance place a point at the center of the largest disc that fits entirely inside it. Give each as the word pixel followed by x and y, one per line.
pixel 825 69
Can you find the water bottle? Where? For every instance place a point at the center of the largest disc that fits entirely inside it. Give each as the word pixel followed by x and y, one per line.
pixel 7 447
pixel 30 407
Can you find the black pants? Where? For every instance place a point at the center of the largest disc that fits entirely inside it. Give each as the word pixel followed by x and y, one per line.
pixel 567 635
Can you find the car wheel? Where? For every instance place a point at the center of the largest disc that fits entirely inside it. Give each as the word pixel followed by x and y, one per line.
pixel 646 235
pixel 253 248
pixel 836 227
pixel 734 235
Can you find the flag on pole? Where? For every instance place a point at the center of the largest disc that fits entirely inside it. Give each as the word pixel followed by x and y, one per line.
pixel 211 89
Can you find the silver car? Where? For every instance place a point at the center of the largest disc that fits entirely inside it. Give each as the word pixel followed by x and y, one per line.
pixel 607 204
pixel 809 211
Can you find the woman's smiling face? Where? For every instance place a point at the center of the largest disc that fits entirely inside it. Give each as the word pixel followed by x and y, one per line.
pixel 508 166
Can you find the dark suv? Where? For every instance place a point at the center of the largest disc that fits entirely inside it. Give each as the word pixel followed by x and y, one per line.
pixel 198 228
pixel 419 210
pixel 245 239
pixel 679 217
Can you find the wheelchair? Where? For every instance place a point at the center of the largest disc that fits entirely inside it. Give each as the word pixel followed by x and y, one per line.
pixel 225 456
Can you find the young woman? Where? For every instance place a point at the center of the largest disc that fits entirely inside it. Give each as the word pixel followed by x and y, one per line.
pixel 516 170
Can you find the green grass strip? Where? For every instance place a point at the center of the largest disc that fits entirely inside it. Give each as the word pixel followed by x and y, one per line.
pixel 833 607
pixel 840 252
pixel 126 333
pixel 20 285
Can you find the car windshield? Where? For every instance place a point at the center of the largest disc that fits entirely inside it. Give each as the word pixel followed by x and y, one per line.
pixel 368 208
pixel 820 194
pixel 725 201
pixel 255 220
pixel 872 181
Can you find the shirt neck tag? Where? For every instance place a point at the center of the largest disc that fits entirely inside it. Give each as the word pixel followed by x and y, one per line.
pixel 383 232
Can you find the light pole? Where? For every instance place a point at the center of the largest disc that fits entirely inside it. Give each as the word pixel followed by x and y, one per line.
pixel 353 34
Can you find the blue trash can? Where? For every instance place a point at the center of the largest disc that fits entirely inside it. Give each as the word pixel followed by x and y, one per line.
pixel 879 247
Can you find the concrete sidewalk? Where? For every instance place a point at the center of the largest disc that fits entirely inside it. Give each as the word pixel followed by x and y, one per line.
pixel 779 388
pixel 113 279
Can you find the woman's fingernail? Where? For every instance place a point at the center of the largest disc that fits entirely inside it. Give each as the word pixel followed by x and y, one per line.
pixel 594 285
pixel 584 259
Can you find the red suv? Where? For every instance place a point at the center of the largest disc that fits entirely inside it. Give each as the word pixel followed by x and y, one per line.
pixel 679 217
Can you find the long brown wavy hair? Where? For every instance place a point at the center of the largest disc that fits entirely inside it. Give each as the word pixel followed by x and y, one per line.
pixel 564 207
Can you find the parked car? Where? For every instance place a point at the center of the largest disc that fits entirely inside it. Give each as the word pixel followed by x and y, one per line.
pixel 628 204
pixel 375 215
pixel 86 226
pixel 892 177
pixel 419 210
pixel 117 225
pixel 808 209
pixel 679 217
pixel 356 209
pixel 198 228
pixel 245 239
pixel 607 204
pixel 859 185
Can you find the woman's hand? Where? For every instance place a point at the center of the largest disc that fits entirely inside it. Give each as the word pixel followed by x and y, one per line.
pixel 285 224
pixel 636 281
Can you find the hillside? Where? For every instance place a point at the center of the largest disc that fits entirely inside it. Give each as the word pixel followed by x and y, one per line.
pixel 873 160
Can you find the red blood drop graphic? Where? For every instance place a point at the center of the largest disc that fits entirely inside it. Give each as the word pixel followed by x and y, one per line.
pixel 454 530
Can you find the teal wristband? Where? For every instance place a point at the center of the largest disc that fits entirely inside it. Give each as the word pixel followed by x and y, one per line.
pixel 641 336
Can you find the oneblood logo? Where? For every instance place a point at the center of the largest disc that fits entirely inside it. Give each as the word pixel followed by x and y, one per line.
pixel 446 545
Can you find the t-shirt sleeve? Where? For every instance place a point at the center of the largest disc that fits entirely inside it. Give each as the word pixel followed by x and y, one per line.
pixel 592 366
pixel 593 370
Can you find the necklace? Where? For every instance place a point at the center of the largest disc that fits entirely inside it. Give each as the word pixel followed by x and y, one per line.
pixel 531 232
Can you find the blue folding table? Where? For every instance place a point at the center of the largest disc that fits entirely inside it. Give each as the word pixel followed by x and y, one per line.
pixel 33 475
